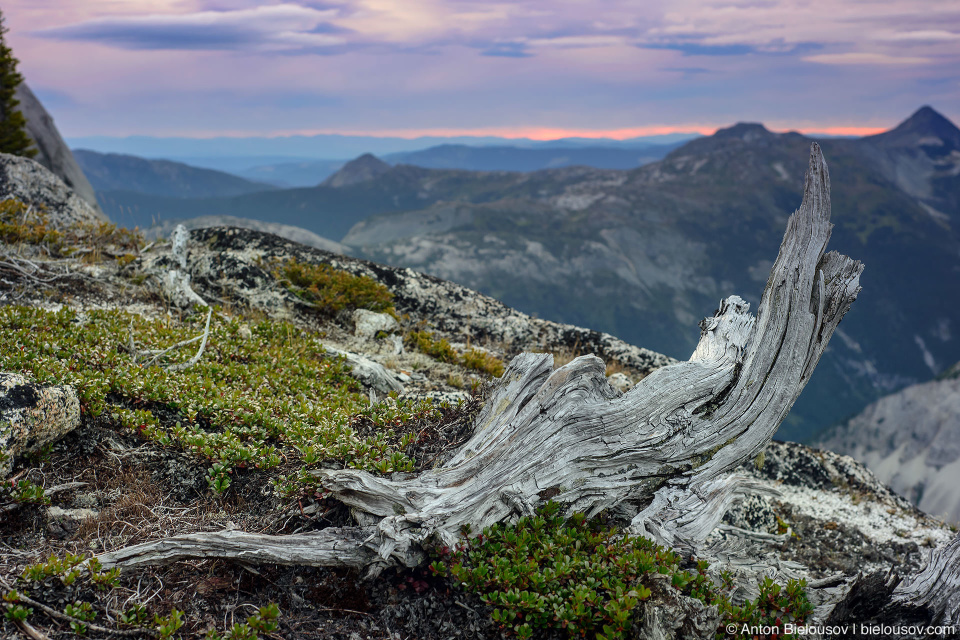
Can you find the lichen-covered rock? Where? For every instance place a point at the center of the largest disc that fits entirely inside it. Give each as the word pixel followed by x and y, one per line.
pixel 31 415
pixel 370 373
pixel 367 324
pixel 229 261
pixel 33 184
pixel 670 615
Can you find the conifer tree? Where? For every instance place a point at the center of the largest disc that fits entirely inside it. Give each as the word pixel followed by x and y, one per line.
pixel 13 134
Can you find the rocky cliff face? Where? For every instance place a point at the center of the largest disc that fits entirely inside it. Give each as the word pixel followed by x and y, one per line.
pixel 54 153
pixel 911 441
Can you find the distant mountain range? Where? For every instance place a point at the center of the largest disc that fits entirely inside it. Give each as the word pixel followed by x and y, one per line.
pixel 645 253
pixel 330 147
pixel 111 172
pixel 307 172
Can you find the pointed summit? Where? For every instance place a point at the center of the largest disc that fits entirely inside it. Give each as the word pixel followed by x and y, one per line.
pixel 366 167
pixel 925 128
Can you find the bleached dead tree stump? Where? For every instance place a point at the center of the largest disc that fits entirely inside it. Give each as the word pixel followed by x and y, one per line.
pixel 661 453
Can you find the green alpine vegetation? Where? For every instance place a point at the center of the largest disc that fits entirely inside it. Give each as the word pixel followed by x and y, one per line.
pixel 545 573
pixel 258 396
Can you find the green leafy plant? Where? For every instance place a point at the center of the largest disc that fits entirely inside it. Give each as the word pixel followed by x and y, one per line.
pixel 232 408
pixel 135 616
pixel 26 492
pixel 545 572
pixel 331 290
pixel 167 625
pixel 439 349
pixel 83 612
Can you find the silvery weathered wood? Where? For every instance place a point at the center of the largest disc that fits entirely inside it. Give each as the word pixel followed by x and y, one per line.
pixel 936 588
pixel 176 282
pixel 660 453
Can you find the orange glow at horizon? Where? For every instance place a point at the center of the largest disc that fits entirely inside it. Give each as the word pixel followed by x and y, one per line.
pixel 531 133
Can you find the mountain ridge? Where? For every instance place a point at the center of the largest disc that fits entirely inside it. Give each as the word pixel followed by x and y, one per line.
pixel 114 172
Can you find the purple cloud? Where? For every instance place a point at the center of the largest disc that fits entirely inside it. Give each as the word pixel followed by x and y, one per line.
pixel 267 28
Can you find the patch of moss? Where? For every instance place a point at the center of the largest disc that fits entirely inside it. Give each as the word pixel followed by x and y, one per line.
pixel 331 290
pixel 437 348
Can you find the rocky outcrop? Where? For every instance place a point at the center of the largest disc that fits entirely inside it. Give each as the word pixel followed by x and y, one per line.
pixel 32 415
pixel 229 259
pixel 31 183
pixel 54 153
pixel 290 232
pixel 911 441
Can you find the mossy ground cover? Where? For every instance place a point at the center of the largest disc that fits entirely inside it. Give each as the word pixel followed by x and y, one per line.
pixel 259 397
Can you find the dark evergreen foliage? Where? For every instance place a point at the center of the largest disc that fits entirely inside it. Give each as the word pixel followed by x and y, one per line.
pixel 13 134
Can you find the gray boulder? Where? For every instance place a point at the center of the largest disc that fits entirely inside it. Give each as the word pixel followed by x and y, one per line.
pixel 32 415
pixel 33 184
pixel 54 153
pixel 367 324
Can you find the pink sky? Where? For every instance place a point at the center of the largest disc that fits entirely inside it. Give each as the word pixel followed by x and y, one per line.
pixel 537 69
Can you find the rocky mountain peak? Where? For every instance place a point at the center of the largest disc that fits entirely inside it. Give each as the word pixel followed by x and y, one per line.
pixel 746 131
pixel 366 167
pixel 925 128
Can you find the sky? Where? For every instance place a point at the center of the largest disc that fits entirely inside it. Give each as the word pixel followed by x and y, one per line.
pixel 539 69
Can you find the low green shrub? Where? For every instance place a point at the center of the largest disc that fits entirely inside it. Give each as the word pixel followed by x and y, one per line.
pixel 331 290
pixel 18 224
pixel 82 573
pixel 439 349
pixel 580 576
pixel 436 348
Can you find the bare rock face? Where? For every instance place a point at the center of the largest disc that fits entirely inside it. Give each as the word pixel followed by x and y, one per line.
pixel 54 153
pixel 911 441
pixel 31 415
pixel 31 183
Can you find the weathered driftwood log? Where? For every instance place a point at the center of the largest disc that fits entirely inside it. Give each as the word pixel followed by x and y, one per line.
pixel 660 454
